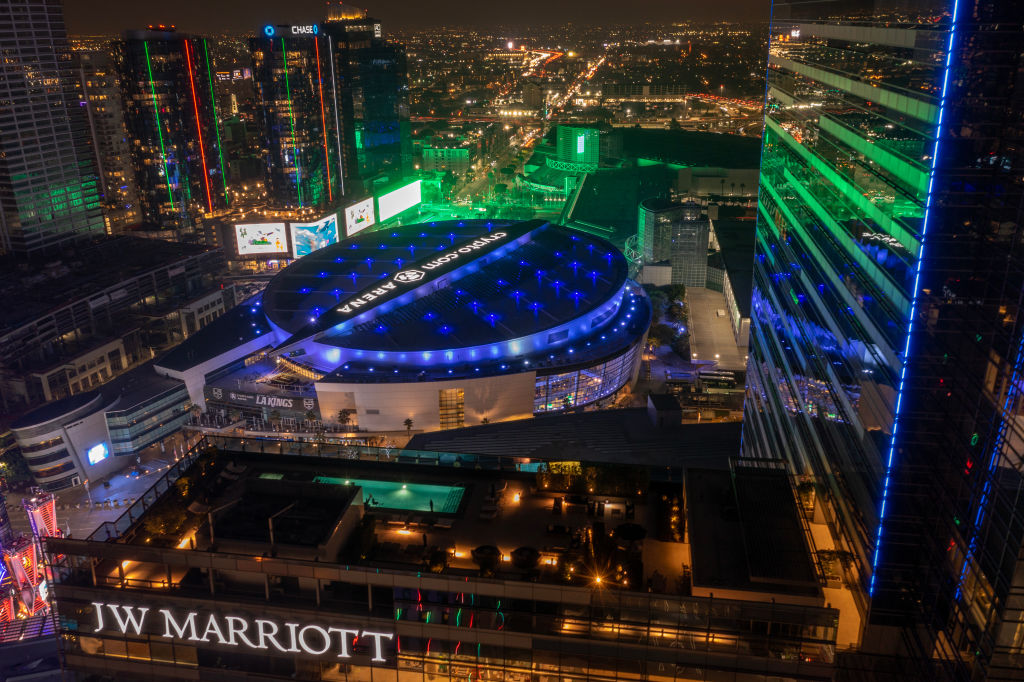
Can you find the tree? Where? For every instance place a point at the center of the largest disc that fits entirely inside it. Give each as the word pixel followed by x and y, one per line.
pixel 344 417
pixel 661 335
pixel 673 124
pixel 408 426
pixel 275 419
pixel 310 416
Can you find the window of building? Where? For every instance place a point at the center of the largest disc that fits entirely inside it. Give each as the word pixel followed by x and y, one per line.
pixel 452 407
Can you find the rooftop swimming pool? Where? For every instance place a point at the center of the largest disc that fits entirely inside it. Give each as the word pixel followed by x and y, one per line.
pixel 397 495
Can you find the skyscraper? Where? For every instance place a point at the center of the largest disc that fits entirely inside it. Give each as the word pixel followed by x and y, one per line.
pixel 335 105
pixel 887 336
pixel 306 131
pixel 376 87
pixel 170 112
pixel 109 139
pixel 49 190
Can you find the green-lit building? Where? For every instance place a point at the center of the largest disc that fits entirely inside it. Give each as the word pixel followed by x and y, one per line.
pixel 49 186
pixel 886 335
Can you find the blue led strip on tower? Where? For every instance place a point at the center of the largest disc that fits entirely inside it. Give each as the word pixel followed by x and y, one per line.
pixel 914 299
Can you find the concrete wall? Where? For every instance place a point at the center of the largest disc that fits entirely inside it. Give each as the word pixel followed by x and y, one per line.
pixel 385 406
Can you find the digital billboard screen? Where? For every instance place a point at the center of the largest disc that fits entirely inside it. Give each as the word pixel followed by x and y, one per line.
pixel 97 453
pixel 359 216
pixel 257 239
pixel 402 199
pixel 309 237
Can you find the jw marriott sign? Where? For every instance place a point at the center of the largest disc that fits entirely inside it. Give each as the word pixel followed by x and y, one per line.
pixel 258 634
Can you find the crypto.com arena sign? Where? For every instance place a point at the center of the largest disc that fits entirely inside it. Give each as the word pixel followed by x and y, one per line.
pixel 258 634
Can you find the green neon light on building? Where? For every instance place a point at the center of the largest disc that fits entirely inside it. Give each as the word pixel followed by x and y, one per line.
pixel 216 123
pixel 159 132
pixel 291 115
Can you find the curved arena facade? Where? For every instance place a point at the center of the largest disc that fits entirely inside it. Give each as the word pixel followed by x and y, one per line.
pixel 446 324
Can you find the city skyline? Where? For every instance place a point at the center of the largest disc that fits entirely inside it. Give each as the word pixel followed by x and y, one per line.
pixel 242 16
pixel 512 342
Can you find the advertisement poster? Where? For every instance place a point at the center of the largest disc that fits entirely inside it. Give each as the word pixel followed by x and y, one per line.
pixel 310 237
pixel 359 216
pixel 256 239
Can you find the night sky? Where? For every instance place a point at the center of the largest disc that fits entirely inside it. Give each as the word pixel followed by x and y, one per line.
pixel 113 16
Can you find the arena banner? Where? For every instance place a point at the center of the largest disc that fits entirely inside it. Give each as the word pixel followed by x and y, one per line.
pixel 276 401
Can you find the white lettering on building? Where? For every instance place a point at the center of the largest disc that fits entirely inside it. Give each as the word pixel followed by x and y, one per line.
pixel 360 301
pixel 258 634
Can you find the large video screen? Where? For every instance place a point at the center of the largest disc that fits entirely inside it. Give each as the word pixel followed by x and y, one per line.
pixel 257 239
pixel 398 200
pixel 359 216
pixel 309 237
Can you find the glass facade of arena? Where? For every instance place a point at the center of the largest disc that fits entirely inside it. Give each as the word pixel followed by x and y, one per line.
pixel 886 331
pixel 555 392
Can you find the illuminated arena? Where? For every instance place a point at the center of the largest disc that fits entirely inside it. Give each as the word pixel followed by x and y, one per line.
pixel 445 324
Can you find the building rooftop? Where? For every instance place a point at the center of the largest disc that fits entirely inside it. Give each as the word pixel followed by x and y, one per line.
pixel 80 274
pixel 736 239
pixel 691 148
pixel 620 436
pixel 554 278
pixel 455 521
pixel 746 534
pixel 239 325
pixel 609 198
pixel 55 409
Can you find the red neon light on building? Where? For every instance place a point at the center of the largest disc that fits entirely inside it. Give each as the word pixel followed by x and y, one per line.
pixel 199 127
pixel 323 118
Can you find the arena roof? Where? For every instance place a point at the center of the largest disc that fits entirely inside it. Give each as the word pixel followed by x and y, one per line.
pixel 444 285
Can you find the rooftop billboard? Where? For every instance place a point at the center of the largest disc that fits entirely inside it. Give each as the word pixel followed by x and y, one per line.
pixel 309 237
pixel 359 216
pixel 261 239
pixel 394 202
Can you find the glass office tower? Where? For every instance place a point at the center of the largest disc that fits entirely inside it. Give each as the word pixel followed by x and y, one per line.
pixel 170 112
pixel 49 187
pixel 306 130
pixel 886 346
pixel 377 95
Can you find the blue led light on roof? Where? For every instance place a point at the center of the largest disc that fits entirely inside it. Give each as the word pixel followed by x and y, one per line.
pixel 380 329
pixel 394 234
pixel 303 290
pixel 354 246
pixel 914 300
pixel 444 329
pixel 429 316
pixel 323 275
pixel 369 263
pixel 339 259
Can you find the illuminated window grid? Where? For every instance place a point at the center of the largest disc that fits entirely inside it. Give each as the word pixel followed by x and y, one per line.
pixel 451 404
